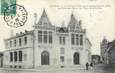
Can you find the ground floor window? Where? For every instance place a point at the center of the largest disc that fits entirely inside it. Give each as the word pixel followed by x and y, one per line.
pixel 10 66
pixel 20 55
pixel 15 56
pixel 20 66
pixel 11 56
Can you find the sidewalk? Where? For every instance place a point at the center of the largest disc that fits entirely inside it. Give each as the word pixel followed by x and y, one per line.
pixel 59 70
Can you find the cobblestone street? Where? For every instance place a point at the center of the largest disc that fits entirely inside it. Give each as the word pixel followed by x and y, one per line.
pixel 104 69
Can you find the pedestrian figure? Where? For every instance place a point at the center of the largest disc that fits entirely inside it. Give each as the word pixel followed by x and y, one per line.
pixel 91 65
pixel 87 65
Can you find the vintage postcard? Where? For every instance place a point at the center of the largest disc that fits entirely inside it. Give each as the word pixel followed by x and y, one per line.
pixel 62 36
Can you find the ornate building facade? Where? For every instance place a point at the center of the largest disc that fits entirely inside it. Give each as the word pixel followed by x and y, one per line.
pixel 48 46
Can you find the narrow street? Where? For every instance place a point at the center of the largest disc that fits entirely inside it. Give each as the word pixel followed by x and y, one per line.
pixel 100 68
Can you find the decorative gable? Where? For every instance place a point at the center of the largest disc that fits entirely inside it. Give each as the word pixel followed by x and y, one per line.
pixel 73 21
pixel 74 24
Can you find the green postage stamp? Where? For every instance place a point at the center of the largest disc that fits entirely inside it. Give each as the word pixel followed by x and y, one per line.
pixel 4 5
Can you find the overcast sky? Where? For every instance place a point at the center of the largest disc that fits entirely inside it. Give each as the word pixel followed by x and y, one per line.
pixel 99 21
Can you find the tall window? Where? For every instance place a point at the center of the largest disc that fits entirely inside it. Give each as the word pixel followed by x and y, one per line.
pixel 15 43
pixel 40 36
pixel 11 56
pixel 15 56
pixel 45 36
pixel 10 43
pixel 62 40
pixel 50 37
pixel 25 40
pixel 20 55
pixel 77 39
pixel 81 39
pixel 72 39
pixel 62 51
pixel 20 41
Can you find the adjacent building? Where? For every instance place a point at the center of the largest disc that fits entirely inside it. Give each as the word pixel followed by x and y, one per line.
pixel 48 46
pixel 108 52
pixel 95 59
pixel 103 47
pixel 1 59
pixel 111 52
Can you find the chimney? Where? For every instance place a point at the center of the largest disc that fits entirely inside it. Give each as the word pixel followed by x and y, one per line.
pixel 21 32
pixel 26 31
pixel 17 34
pixel 35 18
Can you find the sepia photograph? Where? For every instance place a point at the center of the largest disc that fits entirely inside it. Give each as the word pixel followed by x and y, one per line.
pixel 57 36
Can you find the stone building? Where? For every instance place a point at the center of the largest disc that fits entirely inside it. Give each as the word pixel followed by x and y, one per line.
pixel 95 59
pixel 108 52
pixel 104 54
pixel 1 59
pixel 111 52
pixel 48 46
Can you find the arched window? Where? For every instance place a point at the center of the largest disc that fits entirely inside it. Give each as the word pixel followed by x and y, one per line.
pixel 45 58
pixel 76 58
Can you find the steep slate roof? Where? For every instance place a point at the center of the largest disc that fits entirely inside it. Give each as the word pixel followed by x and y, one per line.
pixel 73 23
pixel 21 34
pixel 44 19
pixel 62 29
pixel 104 41
pixel 111 45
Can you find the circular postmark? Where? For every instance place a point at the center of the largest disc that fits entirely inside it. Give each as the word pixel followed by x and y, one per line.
pixel 15 15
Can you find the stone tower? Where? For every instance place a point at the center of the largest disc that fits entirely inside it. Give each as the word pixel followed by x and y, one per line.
pixel 103 48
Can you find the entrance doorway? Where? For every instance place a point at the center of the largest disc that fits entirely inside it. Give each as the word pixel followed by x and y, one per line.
pixel 76 58
pixel 45 58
